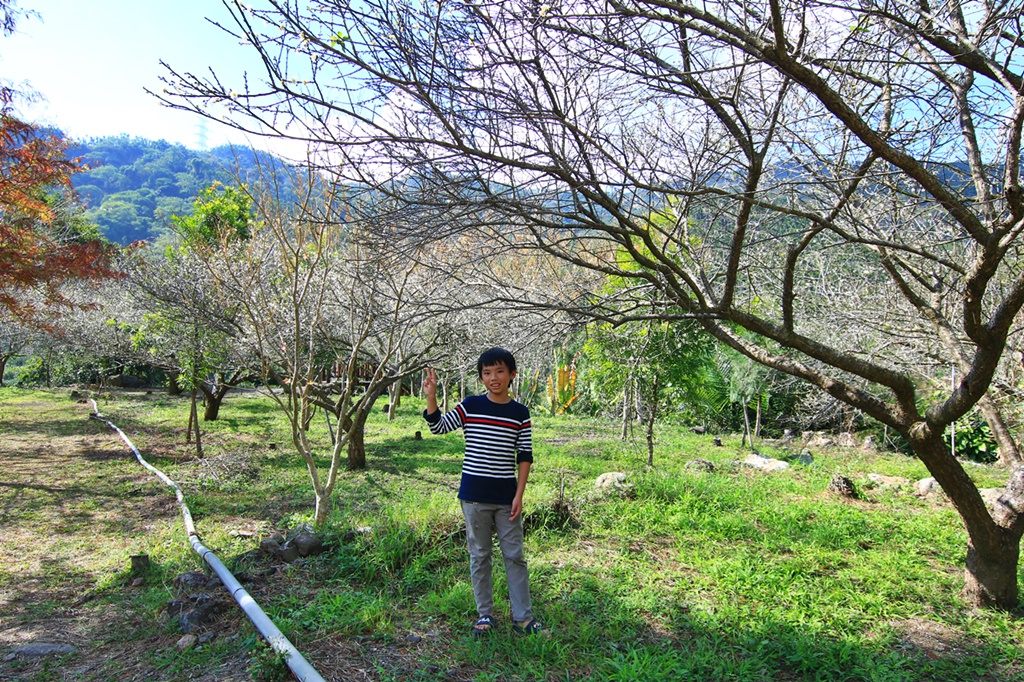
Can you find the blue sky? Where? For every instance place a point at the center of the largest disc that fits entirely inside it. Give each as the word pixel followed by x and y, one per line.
pixel 90 60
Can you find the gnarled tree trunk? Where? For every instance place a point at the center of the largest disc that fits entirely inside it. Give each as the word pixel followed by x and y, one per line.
pixel 173 387
pixel 357 447
pixel 356 428
pixel 990 578
pixel 993 546
pixel 212 399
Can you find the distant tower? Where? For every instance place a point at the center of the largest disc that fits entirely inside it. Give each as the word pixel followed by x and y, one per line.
pixel 201 132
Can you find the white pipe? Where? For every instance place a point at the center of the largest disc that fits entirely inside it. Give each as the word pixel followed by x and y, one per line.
pixel 299 666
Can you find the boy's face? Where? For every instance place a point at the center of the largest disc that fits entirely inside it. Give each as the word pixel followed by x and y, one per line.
pixel 496 379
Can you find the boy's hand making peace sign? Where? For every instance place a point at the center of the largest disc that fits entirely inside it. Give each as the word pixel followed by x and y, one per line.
pixel 430 390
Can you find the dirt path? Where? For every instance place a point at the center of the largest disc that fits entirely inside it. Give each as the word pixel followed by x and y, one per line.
pixel 73 501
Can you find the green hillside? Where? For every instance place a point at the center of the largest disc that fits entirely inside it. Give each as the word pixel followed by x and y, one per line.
pixel 134 186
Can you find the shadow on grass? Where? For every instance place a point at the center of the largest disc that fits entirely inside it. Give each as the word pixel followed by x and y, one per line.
pixel 405 455
pixel 600 630
pixel 56 427
pixel 760 645
pixel 603 626
pixel 113 624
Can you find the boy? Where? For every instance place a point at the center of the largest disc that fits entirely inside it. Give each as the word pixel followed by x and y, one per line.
pixel 498 439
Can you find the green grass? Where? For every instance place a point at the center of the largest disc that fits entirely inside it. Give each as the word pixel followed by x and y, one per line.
pixel 729 575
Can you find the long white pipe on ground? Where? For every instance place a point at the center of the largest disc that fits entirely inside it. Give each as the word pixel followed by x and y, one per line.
pixel 299 666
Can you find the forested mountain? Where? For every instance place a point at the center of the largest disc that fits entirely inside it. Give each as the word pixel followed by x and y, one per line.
pixel 134 185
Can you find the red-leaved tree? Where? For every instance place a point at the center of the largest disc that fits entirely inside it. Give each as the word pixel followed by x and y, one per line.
pixel 42 243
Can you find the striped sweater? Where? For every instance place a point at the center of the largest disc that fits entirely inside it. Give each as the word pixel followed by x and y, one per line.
pixel 498 437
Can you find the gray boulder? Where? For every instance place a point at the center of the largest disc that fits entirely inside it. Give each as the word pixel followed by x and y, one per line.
pixel 39 649
pixel 765 463
pixel 194 579
pixel 846 440
pixel 270 545
pixel 205 610
pixel 805 458
pixel 813 439
pixel 893 482
pixel 287 553
pixel 186 642
pixel 841 485
pixel 612 482
pixel 308 544
pixel 301 542
pixel 701 465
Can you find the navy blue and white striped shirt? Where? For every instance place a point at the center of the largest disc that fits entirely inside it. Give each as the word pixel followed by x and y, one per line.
pixel 498 437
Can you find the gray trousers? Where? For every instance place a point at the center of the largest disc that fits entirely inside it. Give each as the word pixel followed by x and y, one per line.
pixel 482 521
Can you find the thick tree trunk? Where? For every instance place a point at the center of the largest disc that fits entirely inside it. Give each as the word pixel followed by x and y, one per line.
pixel 356 428
pixel 993 546
pixel 211 408
pixel 173 387
pixel 212 400
pixel 357 447
pixel 3 368
pixel 1009 454
pixel 990 578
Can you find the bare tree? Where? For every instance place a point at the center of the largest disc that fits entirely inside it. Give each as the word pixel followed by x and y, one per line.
pixel 15 340
pixel 187 331
pixel 97 333
pixel 328 313
pixel 814 155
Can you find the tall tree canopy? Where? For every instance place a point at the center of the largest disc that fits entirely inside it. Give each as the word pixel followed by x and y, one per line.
pixel 846 176
pixel 42 244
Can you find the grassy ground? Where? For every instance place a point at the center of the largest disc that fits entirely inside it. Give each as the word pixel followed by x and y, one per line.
pixel 730 575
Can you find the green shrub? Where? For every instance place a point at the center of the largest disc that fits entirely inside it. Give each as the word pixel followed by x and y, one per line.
pixel 974 441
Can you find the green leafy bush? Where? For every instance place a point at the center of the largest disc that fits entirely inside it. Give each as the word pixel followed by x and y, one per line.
pixel 974 441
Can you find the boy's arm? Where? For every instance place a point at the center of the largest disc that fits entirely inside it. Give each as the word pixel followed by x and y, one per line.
pixel 430 390
pixel 439 424
pixel 517 501
pixel 524 457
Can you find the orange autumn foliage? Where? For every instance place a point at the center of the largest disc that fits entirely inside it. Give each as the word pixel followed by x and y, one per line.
pixel 39 251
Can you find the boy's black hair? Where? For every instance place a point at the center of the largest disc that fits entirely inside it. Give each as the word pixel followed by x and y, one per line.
pixel 495 356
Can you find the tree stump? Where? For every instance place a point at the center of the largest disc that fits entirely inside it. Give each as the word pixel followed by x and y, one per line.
pixel 140 562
